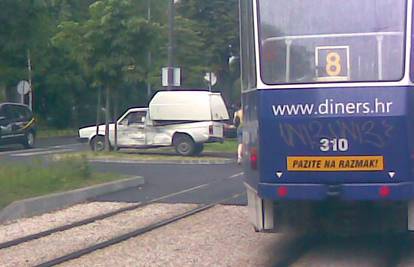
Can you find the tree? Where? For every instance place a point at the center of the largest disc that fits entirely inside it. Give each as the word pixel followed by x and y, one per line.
pixel 25 26
pixel 216 24
pixel 78 46
pixel 110 45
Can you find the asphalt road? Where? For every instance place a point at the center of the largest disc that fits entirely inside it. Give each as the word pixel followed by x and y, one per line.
pixel 202 183
pixel 43 147
pixel 198 183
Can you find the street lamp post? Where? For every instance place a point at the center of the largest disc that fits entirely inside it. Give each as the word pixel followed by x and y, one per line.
pixel 171 13
pixel 149 53
pixel 29 69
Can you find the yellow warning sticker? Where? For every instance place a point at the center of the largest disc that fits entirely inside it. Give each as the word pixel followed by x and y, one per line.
pixel 332 164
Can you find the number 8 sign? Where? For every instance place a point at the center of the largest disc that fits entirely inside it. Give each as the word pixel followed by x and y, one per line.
pixel 332 63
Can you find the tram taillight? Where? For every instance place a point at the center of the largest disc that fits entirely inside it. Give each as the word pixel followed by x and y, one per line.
pixel 384 191
pixel 253 158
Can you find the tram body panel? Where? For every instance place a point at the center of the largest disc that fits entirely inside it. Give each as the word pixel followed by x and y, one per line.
pixel 372 132
pixel 352 116
pixel 328 103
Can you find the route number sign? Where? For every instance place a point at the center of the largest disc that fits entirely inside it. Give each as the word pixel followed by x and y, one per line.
pixel 332 63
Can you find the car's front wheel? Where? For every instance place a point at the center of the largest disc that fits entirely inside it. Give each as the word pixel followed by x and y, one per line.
pixel 29 140
pixel 98 143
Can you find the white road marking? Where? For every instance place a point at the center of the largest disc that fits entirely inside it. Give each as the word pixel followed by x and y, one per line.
pixel 41 153
pixel 236 175
pixel 21 151
pixel 69 145
pixel 25 151
pixel 156 162
pixel 181 192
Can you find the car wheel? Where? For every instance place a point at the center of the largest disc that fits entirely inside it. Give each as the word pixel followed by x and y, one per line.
pixel 29 140
pixel 98 143
pixel 184 145
pixel 198 149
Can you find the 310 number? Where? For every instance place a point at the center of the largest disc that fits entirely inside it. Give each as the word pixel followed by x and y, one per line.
pixel 334 145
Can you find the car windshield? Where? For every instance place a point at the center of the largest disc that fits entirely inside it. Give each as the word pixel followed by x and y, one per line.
pixel 324 40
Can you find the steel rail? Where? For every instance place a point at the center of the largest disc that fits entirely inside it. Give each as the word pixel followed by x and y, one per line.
pixel 28 238
pixel 134 233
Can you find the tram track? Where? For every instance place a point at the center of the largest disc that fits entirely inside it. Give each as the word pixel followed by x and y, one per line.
pixel 135 233
pixel 72 225
pixel 53 235
pixel 28 238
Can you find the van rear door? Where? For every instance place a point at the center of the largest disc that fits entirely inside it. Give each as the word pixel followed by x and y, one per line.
pixel 218 108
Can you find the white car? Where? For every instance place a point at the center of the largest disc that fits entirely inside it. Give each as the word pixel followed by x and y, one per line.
pixel 178 122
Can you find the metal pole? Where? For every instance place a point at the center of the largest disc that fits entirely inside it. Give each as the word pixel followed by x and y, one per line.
pixel 98 112
pixel 22 98
pixel 149 54
pixel 170 43
pixel 29 67
pixel 288 58
pixel 380 40
pixel 209 81
pixel 107 118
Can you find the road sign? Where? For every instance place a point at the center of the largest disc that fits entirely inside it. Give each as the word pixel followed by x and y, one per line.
pixel 23 87
pixel 171 77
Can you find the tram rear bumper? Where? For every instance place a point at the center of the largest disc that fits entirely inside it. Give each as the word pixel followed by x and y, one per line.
pixel 380 191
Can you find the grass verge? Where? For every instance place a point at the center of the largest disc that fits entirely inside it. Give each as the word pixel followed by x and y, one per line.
pixel 19 182
pixel 133 155
pixel 47 132
pixel 229 146
pixel 213 151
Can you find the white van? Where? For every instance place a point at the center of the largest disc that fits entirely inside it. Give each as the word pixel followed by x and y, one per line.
pixel 183 119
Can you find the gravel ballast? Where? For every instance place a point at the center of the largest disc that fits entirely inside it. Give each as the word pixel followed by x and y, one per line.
pixel 28 226
pixel 221 236
pixel 59 244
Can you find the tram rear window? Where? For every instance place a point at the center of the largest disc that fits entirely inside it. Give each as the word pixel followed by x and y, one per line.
pixel 332 40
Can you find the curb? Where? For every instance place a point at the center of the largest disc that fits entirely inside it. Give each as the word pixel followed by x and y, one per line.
pixel 39 205
pixel 169 162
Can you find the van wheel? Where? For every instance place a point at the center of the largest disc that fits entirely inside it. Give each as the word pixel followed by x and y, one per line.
pixel 198 149
pixel 98 143
pixel 184 145
pixel 29 140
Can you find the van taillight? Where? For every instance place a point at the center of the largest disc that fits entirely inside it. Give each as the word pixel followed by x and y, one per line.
pixel 253 158
pixel 210 130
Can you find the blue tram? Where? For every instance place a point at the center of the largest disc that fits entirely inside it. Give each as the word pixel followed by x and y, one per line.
pixel 328 100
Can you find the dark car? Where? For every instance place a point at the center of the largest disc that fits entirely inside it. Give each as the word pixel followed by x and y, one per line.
pixel 17 125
